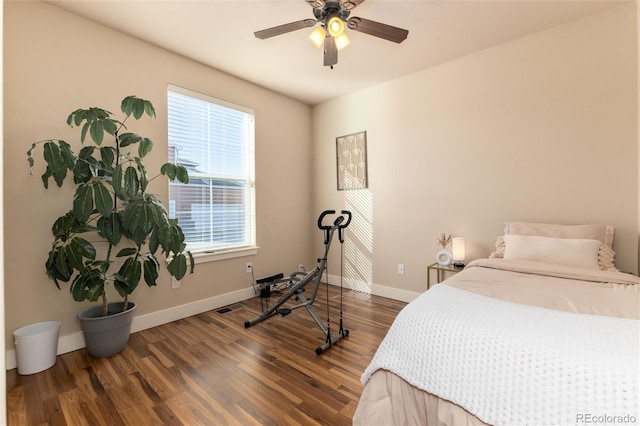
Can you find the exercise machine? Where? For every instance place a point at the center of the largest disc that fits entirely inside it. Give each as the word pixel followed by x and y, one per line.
pixel 297 282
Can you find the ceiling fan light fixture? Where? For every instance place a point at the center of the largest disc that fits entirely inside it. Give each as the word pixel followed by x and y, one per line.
pixel 317 36
pixel 342 41
pixel 335 26
pixel 332 18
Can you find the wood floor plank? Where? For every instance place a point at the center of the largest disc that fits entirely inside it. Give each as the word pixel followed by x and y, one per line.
pixel 206 400
pixel 17 407
pixel 190 411
pixel 162 381
pixel 208 369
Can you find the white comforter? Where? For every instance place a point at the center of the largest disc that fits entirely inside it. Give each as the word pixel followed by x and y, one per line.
pixel 509 363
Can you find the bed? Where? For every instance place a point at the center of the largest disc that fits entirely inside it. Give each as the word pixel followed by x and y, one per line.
pixel 545 331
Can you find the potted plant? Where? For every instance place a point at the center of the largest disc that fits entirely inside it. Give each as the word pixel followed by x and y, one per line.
pixel 114 229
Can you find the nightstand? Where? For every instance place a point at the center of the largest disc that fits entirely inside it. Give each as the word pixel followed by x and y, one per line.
pixel 440 272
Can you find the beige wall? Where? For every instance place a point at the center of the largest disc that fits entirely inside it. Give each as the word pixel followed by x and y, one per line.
pixel 55 62
pixel 539 129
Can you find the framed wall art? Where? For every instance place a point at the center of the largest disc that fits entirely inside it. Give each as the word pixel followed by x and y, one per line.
pixel 351 157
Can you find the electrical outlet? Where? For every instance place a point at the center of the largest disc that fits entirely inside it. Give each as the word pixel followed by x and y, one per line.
pixel 300 267
pixel 175 283
pixel 248 268
pixel 401 268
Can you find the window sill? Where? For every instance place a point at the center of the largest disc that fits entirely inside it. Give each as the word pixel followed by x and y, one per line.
pixel 203 256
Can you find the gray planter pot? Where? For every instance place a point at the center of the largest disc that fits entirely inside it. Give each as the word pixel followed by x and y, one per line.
pixel 106 336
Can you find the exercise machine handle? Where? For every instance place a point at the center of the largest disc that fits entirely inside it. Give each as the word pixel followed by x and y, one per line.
pixel 342 227
pixel 348 214
pixel 322 215
pixel 338 222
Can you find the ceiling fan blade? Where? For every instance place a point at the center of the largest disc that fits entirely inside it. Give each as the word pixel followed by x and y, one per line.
pixel 316 4
pixel 330 52
pixel 377 29
pixel 285 28
pixel 350 4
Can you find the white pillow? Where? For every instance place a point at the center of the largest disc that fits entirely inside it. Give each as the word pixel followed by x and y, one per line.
pixel 574 252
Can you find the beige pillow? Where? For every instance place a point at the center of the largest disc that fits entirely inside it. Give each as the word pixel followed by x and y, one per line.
pixel 565 251
pixel 602 233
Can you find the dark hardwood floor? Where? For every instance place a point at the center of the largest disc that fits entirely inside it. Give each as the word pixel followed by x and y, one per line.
pixel 208 369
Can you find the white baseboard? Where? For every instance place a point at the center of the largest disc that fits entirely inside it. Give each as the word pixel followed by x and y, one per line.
pixel 74 341
pixel 375 289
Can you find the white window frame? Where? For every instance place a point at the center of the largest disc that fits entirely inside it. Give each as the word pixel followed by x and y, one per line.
pixel 210 253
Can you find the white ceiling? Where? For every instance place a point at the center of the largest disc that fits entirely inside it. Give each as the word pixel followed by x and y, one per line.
pixel 219 33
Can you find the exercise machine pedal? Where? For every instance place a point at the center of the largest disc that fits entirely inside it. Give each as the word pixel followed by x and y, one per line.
pixel 284 311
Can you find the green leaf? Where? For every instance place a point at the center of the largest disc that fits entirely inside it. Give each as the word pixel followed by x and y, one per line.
pixel 83 203
pixel 127 105
pixel 62 226
pixel 131 217
pixel 138 108
pixel 145 147
pixel 127 251
pixel 56 265
pixel 178 266
pixel 144 180
pixel 110 228
pixel 68 156
pixel 94 289
pixel 151 270
pixel 30 157
pixel 131 183
pixel 108 156
pixel 97 131
pixel 62 266
pixel 50 267
pixel 77 289
pixel 128 277
pixel 182 174
pixel 148 108
pixel 116 181
pixel 74 257
pixel 139 219
pixel 81 172
pixel 169 170
pixel 45 178
pixel 76 117
pixel 103 200
pixel 52 155
pixel 87 286
pixel 177 238
pixel 110 126
pixel 83 247
pixel 127 139
pixel 86 153
pixel 192 262
pixel 83 133
pixel 154 242
pixel 56 165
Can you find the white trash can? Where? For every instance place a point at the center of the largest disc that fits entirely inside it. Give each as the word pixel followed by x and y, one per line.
pixel 36 346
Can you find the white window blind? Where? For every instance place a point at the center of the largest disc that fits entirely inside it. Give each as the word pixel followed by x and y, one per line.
pixel 214 140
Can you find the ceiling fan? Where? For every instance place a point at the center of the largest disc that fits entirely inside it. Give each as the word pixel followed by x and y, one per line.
pixel 333 16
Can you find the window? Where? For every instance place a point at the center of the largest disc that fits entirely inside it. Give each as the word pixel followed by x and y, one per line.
pixel 214 140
